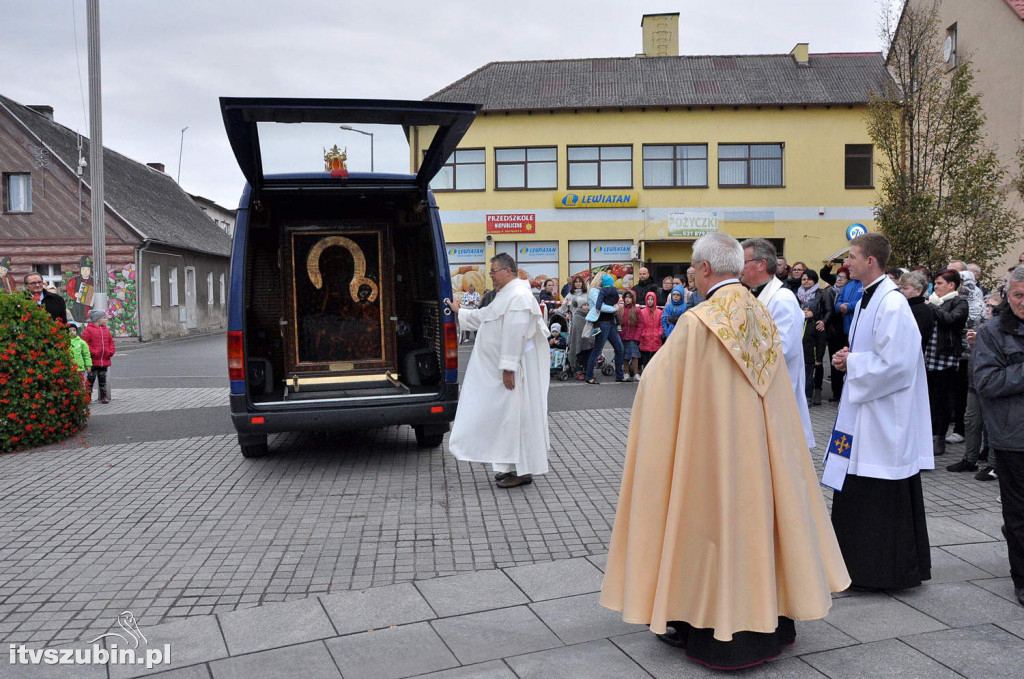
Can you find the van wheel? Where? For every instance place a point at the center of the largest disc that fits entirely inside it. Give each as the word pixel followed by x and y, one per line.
pixel 429 437
pixel 253 445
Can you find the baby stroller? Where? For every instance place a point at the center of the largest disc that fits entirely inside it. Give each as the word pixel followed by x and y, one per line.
pixel 559 357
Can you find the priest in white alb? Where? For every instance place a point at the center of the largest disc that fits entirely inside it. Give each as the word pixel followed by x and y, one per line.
pixel 882 438
pixel 760 262
pixel 503 408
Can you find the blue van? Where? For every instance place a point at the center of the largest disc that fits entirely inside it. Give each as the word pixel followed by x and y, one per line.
pixel 336 314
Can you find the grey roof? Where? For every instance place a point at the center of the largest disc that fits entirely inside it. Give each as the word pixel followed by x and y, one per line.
pixel 151 201
pixel 770 80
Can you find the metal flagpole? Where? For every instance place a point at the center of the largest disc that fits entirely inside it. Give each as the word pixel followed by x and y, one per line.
pixel 99 243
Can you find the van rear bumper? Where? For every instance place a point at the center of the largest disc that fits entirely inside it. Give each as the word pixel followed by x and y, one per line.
pixel 306 416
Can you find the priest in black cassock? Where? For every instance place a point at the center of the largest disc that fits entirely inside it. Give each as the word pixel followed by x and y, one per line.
pixel 882 438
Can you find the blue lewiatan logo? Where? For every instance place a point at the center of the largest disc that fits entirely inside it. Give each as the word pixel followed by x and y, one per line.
pixel 570 200
pixel 465 251
pixel 541 250
pixel 612 249
pixel 599 200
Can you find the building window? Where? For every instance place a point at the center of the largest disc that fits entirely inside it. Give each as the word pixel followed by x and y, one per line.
pixel 744 165
pixel 209 288
pixel 614 257
pixel 464 171
pixel 949 48
pixel 674 166
pixel 537 260
pixel 223 291
pixel 526 168
pixel 154 284
pixel 18 192
pixel 858 166
pixel 51 274
pixel 172 286
pixel 600 167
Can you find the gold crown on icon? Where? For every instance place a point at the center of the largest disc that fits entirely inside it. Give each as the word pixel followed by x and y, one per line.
pixel 334 158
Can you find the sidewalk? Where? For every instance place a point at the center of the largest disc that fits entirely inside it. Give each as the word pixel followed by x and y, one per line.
pixel 433 570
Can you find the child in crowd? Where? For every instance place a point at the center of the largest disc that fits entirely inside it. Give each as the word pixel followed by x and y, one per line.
pixel 557 339
pixel 650 329
pixel 101 347
pixel 80 352
pixel 629 317
pixel 673 310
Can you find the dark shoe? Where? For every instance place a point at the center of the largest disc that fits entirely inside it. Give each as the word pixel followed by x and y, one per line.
pixel 512 480
pixel 502 475
pixel 592 381
pixel 1019 591
pixel 104 400
pixel 622 379
pixel 962 466
pixel 938 445
pixel 672 637
pixel 983 456
pixel 987 473
pixel 816 397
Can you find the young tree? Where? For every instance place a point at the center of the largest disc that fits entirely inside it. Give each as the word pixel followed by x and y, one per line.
pixel 942 191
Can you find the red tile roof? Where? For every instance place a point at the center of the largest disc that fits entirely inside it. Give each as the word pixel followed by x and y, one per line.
pixel 1017 6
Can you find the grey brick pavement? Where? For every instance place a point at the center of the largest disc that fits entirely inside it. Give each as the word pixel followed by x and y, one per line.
pixel 188 528
pixel 150 400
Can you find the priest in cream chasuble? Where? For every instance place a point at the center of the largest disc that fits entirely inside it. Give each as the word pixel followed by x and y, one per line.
pixel 721 535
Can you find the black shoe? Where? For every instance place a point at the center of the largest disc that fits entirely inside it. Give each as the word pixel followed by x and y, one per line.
pixel 512 481
pixel 987 473
pixel 502 475
pixel 962 466
pixel 1019 591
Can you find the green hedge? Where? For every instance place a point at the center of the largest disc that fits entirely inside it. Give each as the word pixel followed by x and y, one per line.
pixel 41 394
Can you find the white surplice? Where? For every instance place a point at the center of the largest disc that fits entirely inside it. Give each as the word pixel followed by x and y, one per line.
pixel 885 396
pixel 789 319
pixel 494 424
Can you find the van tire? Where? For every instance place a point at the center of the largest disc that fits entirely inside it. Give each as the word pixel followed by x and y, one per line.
pixel 428 437
pixel 253 445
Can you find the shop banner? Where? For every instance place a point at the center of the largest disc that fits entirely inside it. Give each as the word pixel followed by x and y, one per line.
pixel 512 223
pixel 611 250
pixel 466 253
pixel 692 223
pixel 575 199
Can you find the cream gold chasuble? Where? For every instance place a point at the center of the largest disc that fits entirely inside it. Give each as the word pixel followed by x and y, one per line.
pixel 721 521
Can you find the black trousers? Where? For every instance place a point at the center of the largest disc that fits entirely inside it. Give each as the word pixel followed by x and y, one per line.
pixel 960 386
pixel 98 373
pixel 940 398
pixel 836 342
pixel 1010 468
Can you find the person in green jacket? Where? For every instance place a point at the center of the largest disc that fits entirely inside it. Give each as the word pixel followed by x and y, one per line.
pixel 80 352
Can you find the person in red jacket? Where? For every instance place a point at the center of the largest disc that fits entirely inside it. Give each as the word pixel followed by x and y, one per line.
pixel 101 346
pixel 650 329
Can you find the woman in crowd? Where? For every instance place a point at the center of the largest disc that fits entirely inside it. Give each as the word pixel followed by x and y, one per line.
pixel 548 294
pixel 650 329
pixel 575 308
pixel 604 315
pixel 629 319
pixel 912 285
pixel 816 315
pixel 796 274
pixel 834 333
pixel 693 296
pixel 943 350
pixel 675 308
pixel 846 303
pixel 666 290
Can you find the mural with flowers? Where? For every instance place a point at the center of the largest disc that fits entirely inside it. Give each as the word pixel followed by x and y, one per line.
pixel 122 299
pixel 41 394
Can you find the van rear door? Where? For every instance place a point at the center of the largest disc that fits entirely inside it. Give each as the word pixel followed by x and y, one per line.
pixel 242 116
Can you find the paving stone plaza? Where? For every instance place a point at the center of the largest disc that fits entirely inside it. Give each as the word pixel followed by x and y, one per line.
pixel 358 555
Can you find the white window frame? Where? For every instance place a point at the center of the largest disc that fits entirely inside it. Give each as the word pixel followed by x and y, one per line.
pixel 461 158
pixel 154 285
pixel 172 286
pixel 51 274
pixel 529 161
pixel 25 193
pixel 223 289
pixel 209 288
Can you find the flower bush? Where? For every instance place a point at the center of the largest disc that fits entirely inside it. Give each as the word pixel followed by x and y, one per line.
pixel 41 394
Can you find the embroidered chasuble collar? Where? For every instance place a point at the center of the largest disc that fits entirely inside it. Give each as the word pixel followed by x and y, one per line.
pixel 717 286
pixel 745 328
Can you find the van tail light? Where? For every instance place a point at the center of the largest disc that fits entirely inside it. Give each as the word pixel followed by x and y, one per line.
pixel 451 347
pixel 236 356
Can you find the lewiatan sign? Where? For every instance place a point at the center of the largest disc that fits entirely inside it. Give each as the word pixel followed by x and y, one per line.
pixel 576 199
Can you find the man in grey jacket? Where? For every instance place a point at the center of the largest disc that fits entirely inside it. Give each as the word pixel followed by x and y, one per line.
pixel 999 379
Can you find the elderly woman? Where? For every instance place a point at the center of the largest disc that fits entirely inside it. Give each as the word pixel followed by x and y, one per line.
pixel 834 334
pixel 815 338
pixel 913 285
pixel 665 291
pixel 942 353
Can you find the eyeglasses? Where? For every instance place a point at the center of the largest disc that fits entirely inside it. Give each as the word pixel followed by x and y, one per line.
pixel 494 271
pixel 748 261
pixel 34 283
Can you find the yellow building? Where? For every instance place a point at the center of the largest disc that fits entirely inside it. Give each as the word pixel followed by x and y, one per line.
pixel 613 162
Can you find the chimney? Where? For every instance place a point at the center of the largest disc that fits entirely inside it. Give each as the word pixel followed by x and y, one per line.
pixel 800 54
pixel 43 110
pixel 660 35
pixel 159 167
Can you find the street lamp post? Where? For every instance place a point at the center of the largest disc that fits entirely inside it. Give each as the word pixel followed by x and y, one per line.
pixel 368 134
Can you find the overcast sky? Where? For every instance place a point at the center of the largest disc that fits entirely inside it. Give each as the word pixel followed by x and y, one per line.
pixel 166 63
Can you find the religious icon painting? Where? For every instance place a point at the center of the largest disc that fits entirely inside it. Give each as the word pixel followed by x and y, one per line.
pixel 340 300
